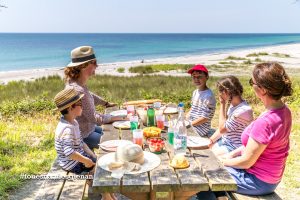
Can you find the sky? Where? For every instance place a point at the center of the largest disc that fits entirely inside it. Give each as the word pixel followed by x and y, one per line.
pixel 150 16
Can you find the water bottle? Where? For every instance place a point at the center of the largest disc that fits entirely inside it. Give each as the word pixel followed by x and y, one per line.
pixel 151 116
pixel 180 132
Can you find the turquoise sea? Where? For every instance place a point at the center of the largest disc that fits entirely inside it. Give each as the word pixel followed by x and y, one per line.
pixel 19 51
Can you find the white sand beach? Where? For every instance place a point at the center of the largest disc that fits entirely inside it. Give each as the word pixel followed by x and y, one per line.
pixel 291 63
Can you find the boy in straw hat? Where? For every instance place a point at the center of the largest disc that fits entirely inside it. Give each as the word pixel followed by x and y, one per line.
pixel 73 154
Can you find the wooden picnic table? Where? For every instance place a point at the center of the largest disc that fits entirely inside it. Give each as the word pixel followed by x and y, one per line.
pixel 205 173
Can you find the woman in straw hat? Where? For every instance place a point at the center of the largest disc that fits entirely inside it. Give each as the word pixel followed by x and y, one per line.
pixel 77 73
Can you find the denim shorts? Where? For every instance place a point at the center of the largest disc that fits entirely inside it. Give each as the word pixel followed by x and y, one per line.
pixel 93 140
pixel 248 183
pixel 227 147
pixel 80 168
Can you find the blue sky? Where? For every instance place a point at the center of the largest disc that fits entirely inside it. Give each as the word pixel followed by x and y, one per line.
pixel 151 16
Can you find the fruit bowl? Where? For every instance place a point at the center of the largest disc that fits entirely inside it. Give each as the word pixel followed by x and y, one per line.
pixel 156 144
pixel 151 132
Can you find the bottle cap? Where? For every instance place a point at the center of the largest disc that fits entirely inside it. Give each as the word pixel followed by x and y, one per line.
pixel 180 104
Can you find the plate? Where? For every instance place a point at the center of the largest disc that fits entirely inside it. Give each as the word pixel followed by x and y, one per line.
pixel 173 122
pixel 122 124
pixel 197 141
pixel 170 110
pixel 112 145
pixel 118 113
pixel 151 161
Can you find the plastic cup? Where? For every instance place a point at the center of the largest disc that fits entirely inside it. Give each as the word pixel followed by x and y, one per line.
pixel 138 137
pixel 130 109
pixel 160 120
pixel 134 122
pixel 171 136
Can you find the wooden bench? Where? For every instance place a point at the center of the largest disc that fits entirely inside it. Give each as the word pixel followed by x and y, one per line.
pixel 235 196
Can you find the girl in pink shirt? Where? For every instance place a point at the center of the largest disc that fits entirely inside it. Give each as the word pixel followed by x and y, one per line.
pixel 258 165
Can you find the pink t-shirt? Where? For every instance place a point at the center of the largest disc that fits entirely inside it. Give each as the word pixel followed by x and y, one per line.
pixel 273 129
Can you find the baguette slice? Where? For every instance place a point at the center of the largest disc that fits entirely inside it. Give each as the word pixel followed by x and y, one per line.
pixel 139 102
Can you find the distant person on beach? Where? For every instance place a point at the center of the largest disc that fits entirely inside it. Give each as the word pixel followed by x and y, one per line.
pixel 233 118
pixel 77 73
pixel 258 165
pixel 203 101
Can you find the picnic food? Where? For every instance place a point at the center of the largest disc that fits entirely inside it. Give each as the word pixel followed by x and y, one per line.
pixel 151 132
pixel 130 153
pixel 156 145
pixel 141 102
pixel 179 161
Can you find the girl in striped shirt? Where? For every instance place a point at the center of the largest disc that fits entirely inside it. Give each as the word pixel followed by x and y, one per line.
pixel 233 122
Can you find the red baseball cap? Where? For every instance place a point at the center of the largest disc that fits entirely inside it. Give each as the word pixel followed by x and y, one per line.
pixel 198 68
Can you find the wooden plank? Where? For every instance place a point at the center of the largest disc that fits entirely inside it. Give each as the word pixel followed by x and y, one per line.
pixel 135 196
pixel 192 179
pixel 51 189
pixel 218 177
pixel 73 188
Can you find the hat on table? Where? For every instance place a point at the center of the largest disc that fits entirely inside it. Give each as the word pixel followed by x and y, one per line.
pixel 198 67
pixel 81 55
pixel 66 98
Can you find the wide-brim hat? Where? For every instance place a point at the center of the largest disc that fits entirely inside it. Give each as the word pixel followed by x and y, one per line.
pixel 81 55
pixel 66 98
pixel 198 68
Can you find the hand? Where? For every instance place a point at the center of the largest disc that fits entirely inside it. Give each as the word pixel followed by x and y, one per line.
pixel 211 143
pixel 222 101
pixel 89 163
pixel 110 105
pixel 227 156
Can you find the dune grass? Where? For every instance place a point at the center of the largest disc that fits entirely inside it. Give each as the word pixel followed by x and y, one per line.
pixel 148 69
pixel 27 121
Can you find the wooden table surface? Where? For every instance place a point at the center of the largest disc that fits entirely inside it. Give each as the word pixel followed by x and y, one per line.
pixel 205 173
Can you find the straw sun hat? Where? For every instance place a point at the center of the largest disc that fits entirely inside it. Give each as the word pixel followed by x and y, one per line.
pixel 81 55
pixel 66 98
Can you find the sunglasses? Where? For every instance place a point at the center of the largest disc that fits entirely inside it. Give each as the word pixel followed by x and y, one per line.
pixel 78 103
pixel 251 82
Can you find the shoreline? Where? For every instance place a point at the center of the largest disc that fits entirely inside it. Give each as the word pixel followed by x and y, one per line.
pixel 292 62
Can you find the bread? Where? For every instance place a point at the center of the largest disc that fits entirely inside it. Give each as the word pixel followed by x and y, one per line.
pixel 179 161
pixel 139 102
pixel 130 153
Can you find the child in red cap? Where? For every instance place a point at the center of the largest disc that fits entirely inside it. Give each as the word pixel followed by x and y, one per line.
pixel 203 101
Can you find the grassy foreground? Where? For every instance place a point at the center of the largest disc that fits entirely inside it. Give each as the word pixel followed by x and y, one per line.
pixel 27 122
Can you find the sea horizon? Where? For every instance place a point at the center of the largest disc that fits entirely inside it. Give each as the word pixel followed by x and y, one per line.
pixel 21 51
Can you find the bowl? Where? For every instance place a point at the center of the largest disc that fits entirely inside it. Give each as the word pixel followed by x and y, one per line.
pixel 153 131
pixel 156 144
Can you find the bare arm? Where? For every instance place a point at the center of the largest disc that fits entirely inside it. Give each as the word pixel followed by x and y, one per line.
pixel 199 121
pixel 88 151
pixel 85 160
pixel 222 116
pixel 252 152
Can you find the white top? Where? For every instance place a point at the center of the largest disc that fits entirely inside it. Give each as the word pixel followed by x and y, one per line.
pixel 67 140
pixel 203 105
pixel 238 118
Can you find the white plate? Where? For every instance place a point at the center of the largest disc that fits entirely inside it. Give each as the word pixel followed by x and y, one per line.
pixel 173 122
pixel 151 161
pixel 112 145
pixel 118 113
pixel 197 141
pixel 122 124
pixel 170 110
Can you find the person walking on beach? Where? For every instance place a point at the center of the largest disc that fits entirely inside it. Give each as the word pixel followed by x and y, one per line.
pixel 203 103
pixel 82 66
pixel 258 165
pixel 233 119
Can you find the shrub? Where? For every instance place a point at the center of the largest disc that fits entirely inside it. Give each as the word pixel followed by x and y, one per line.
pixel 121 70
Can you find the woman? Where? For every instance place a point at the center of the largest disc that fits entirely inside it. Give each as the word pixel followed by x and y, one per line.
pixel 77 73
pixel 258 165
pixel 233 122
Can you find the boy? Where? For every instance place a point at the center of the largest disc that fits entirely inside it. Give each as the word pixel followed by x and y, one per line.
pixel 73 154
pixel 203 101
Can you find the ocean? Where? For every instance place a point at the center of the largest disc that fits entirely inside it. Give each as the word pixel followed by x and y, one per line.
pixel 20 51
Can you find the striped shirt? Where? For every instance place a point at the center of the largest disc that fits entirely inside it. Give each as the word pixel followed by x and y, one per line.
pixel 238 118
pixel 89 117
pixel 67 141
pixel 203 105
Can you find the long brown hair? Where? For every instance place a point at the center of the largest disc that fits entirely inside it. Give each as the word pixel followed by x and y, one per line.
pixel 231 85
pixel 273 78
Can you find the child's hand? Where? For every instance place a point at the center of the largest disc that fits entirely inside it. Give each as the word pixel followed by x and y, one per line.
pixel 222 101
pixel 89 163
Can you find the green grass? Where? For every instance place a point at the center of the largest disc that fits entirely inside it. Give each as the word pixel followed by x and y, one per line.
pixel 148 69
pixel 234 58
pixel 281 55
pixel 257 54
pixel 27 121
pixel 121 70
